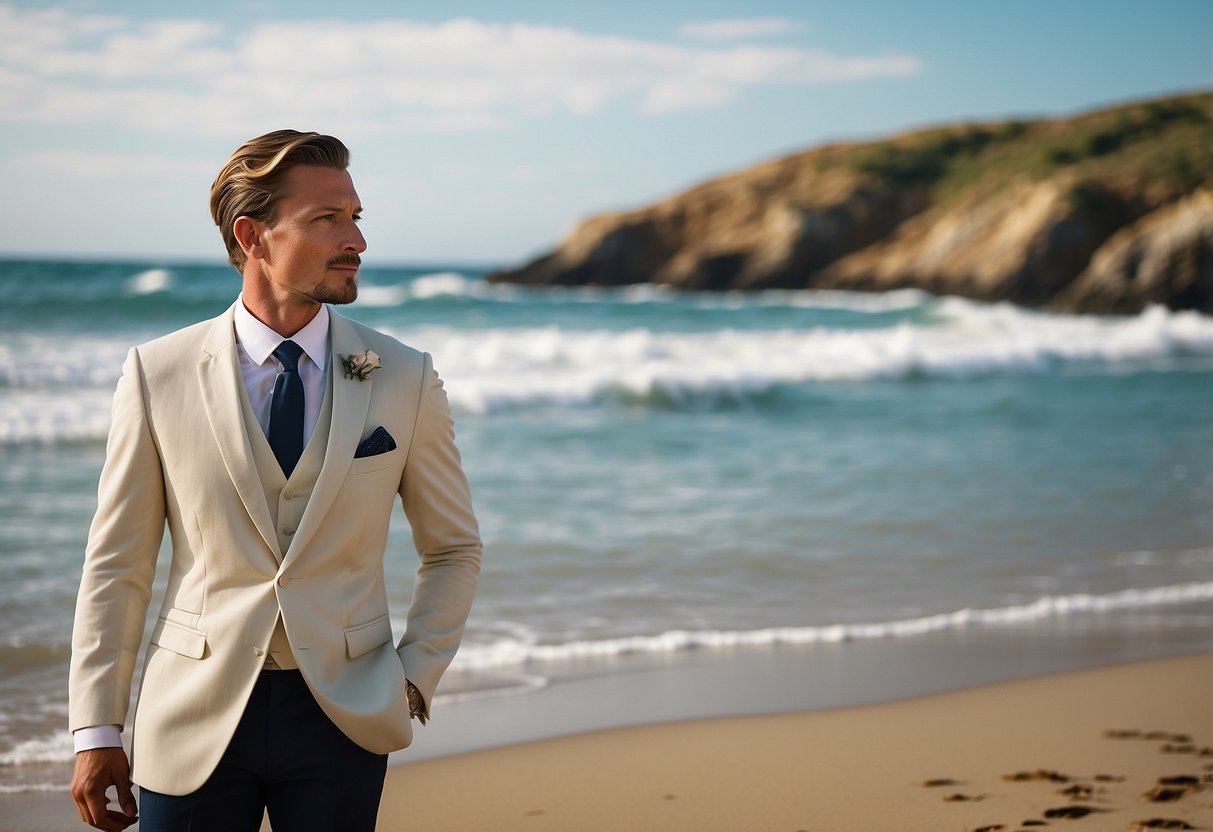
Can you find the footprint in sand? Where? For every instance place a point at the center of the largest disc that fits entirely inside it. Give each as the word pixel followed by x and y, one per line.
pixel 939 781
pixel 1166 735
pixel 1069 812
pixel 1077 792
pixel 1162 823
pixel 1173 788
pixel 1172 740
pixel 1039 774
pixel 1186 780
pixel 1173 748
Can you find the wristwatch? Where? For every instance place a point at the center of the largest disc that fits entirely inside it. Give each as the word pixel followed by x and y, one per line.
pixel 416 703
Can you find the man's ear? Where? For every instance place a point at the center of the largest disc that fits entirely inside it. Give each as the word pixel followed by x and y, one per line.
pixel 248 235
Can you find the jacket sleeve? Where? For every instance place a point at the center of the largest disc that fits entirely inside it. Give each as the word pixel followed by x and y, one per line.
pixel 438 505
pixel 119 561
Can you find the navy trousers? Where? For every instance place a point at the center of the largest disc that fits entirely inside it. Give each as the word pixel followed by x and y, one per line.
pixel 286 758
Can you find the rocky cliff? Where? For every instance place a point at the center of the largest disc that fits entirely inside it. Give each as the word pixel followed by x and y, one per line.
pixel 1105 212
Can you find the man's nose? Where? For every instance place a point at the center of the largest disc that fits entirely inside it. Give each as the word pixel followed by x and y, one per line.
pixel 355 242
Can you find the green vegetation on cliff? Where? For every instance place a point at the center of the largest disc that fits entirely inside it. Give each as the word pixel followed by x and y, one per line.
pixel 1166 143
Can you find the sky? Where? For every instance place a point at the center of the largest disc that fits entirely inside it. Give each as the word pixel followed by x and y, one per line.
pixel 482 132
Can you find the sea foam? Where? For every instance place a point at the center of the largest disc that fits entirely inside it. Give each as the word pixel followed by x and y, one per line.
pixel 55 748
pixel 495 369
pixel 513 652
pixel 152 280
pixel 58 387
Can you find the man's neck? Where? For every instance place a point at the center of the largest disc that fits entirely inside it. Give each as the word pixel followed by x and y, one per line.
pixel 286 316
pixel 285 323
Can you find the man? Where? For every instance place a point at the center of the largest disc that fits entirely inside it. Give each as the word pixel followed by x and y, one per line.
pixel 272 440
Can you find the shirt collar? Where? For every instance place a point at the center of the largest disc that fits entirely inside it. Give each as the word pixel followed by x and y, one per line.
pixel 259 341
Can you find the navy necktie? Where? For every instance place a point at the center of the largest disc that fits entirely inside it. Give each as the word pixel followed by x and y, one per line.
pixel 286 409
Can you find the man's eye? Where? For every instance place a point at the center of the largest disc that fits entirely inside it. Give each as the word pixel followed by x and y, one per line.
pixel 357 217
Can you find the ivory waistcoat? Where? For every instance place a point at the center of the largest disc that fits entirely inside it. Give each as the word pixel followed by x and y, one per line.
pixel 287 498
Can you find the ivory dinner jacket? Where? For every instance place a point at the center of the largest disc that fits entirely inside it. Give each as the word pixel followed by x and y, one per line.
pixel 179 452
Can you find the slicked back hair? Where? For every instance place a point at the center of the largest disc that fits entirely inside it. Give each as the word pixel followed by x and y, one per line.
pixel 250 184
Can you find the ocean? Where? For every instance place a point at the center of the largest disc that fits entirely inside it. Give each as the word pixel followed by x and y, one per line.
pixel 660 474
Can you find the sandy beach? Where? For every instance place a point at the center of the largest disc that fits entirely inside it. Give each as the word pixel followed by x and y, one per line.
pixel 1001 757
pixel 1015 755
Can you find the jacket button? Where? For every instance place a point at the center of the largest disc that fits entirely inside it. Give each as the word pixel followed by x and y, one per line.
pixel 283 580
pixel 288 532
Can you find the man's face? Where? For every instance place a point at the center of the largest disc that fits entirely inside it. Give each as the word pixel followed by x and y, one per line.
pixel 312 250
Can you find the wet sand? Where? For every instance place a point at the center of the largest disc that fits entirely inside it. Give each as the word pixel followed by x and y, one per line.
pixel 1077 750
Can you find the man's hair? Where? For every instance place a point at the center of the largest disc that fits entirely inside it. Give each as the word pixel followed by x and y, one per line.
pixel 250 184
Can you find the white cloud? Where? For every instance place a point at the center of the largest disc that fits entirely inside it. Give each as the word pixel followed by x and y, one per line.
pixel 374 77
pixel 718 77
pixel 739 28
pixel 84 164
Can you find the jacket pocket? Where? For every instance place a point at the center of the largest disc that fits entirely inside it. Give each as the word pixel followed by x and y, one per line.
pixel 179 639
pixel 367 464
pixel 363 638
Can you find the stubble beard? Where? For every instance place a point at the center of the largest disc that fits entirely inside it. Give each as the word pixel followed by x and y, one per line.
pixel 336 295
pixel 347 292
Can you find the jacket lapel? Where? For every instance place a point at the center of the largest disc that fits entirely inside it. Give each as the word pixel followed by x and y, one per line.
pixel 351 401
pixel 222 385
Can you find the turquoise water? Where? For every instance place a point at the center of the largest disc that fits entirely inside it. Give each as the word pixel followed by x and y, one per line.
pixel 657 472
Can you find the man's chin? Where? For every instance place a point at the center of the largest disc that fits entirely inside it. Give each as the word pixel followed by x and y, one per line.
pixel 336 295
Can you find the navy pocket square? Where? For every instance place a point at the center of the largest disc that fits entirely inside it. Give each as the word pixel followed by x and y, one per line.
pixel 379 442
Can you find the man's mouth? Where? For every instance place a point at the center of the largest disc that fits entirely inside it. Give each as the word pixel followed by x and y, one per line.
pixel 345 262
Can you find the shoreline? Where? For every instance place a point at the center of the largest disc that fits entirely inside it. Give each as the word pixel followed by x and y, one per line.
pixel 502 738
pixel 624 691
pixel 998 757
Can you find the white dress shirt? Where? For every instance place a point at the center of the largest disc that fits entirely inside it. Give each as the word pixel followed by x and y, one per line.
pixel 260 369
pixel 256 343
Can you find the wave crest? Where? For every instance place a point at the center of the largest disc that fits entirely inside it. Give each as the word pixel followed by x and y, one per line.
pixel 499 369
pixel 511 652
pixel 50 399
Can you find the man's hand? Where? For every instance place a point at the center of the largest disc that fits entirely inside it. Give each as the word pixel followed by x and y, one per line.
pixel 97 770
pixel 416 703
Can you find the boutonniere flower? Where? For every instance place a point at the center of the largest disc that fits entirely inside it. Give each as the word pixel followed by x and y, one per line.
pixel 360 365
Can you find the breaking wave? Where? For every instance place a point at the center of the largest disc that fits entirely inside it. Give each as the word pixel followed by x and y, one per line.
pixel 513 652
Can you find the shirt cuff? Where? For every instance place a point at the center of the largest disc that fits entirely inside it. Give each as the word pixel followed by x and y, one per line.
pixel 97 736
